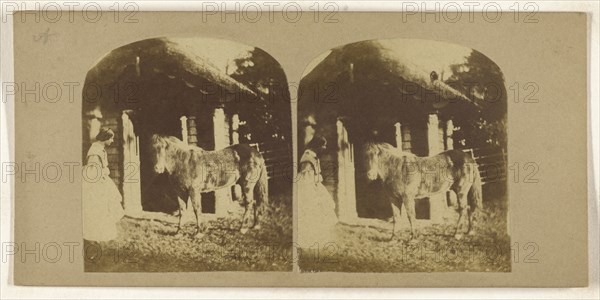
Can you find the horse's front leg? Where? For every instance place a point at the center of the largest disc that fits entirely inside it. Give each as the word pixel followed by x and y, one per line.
pixel 396 215
pixel 409 205
pixel 470 216
pixel 462 206
pixel 196 198
pixel 181 209
pixel 395 203
pixel 249 219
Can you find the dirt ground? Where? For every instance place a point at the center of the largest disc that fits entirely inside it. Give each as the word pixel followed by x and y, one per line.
pixel 151 246
pixel 369 249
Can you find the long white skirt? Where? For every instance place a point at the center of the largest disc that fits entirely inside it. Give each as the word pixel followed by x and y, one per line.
pixel 102 209
pixel 316 215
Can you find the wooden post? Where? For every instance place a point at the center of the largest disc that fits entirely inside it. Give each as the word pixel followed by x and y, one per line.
pixel 433 135
pixel 184 129
pixel 185 135
pixel 235 126
pixel 449 132
pixel 309 134
pixel 132 197
pixel 398 128
pixel 406 138
pixel 192 131
pixel 399 145
pixel 449 145
pixel 437 203
pixel 93 124
pixel 235 139
pixel 309 130
pixel 220 126
pixel 223 200
pixel 346 189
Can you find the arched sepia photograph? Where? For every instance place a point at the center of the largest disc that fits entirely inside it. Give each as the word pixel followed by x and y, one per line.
pixel 185 145
pixel 402 149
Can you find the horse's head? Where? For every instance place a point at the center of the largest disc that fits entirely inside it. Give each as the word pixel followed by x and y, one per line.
pixel 372 153
pixel 159 153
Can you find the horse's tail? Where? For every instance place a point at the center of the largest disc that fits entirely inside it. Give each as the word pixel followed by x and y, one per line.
pixel 474 196
pixel 261 189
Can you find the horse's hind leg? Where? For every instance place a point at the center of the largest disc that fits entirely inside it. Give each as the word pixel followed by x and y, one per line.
pixel 181 206
pixel 470 213
pixel 462 206
pixel 409 205
pixel 249 219
pixel 196 199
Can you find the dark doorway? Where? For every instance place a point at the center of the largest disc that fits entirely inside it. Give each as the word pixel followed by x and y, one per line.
pixel 371 200
pixel 157 192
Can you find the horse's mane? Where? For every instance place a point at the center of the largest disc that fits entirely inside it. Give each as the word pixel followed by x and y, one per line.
pixel 387 149
pixel 184 158
pixel 165 140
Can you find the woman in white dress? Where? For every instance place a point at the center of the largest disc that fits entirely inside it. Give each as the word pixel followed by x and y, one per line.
pixel 316 217
pixel 102 207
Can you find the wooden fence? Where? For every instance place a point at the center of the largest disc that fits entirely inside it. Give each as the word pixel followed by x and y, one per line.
pixel 492 163
pixel 278 159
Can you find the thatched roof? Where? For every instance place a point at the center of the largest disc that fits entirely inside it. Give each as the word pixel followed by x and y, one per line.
pixel 387 79
pixel 153 63
pixel 423 61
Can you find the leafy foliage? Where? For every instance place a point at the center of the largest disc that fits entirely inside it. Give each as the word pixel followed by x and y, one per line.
pixel 269 114
pixel 481 78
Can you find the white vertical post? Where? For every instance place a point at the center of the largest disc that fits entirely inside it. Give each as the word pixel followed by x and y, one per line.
pixel 93 124
pixel 309 129
pixel 398 128
pixel 449 131
pixel 309 134
pixel 132 198
pixel 433 134
pixel 437 203
pixel 184 129
pixel 235 139
pixel 192 131
pixel 235 126
pixel 346 189
pixel 219 129
pixel 223 200
pixel 185 135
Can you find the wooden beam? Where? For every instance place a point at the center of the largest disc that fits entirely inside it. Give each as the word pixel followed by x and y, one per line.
pixel 346 189
pixel 132 191
pixel 437 203
pixel 184 129
pixel 223 197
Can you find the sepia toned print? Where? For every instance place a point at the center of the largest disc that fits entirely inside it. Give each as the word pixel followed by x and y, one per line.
pixel 415 159
pixel 198 129
pixel 400 150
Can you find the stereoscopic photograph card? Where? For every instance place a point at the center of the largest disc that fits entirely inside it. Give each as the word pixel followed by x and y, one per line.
pixel 338 149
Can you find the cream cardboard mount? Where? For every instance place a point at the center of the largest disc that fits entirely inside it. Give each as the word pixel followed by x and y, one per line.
pixel 124 130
